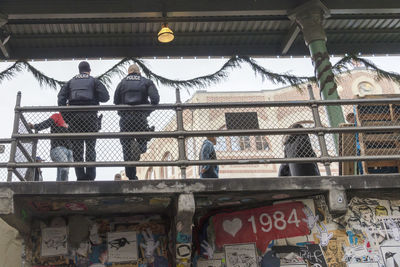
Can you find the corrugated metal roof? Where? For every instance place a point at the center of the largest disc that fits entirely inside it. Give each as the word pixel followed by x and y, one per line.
pixel 215 34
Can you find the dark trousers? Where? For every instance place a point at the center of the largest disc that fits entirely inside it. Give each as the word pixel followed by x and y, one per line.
pixel 133 147
pixel 87 122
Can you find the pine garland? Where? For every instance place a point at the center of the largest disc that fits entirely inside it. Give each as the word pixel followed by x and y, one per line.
pixel 342 66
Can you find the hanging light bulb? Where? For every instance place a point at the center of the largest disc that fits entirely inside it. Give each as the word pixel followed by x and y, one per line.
pixel 165 35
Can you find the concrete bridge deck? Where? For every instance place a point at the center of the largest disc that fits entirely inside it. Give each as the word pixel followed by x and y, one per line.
pixel 20 203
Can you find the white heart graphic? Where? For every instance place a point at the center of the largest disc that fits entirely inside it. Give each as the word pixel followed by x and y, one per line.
pixel 232 227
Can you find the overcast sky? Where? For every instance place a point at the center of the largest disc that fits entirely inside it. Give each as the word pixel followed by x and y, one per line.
pixel 239 80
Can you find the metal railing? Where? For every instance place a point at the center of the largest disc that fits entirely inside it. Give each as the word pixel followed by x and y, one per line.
pixel 248 133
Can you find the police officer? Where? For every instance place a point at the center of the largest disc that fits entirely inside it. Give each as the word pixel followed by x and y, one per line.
pixel 83 90
pixel 134 90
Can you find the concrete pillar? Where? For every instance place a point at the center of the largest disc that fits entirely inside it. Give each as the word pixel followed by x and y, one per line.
pixel 183 227
pixel 309 18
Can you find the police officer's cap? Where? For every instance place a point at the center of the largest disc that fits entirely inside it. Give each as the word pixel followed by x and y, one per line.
pixel 84 67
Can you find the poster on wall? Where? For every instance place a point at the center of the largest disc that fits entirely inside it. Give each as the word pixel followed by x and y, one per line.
pixel 391 226
pixel 313 254
pixel 334 250
pixel 364 213
pixel 122 246
pixel 54 241
pixel 241 255
pixel 391 255
pixel 260 225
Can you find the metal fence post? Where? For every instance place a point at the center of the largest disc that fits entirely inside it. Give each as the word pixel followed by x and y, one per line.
pixel 181 139
pixel 321 135
pixel 13 149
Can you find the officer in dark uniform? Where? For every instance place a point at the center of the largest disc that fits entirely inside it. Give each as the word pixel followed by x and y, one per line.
pixel 83 90
pixel 134 90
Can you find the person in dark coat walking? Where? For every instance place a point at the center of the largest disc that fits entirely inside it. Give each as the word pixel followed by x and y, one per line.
pixel 83 90
pixel 135 90
pixel 207 152
pixel 298 146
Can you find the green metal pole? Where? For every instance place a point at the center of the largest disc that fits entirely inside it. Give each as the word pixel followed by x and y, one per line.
pixel 309 17
pixel 326 82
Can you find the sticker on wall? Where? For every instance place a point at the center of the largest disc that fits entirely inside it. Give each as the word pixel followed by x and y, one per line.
pixel 391 255
pixel 54 241
pixel 209 263
pixel 208 249
pixel 122 246
pixel 241 255
pixel 183 251
pixel 324 236
pixel 149 245
pixel 311 219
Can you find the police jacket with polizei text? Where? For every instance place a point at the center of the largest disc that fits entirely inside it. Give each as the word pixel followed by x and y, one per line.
pixel 57 125
pixel 135 90
pixel 83 89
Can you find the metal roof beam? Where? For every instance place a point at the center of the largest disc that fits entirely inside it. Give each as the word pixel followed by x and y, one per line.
pixel 196 51
pixel 145 35
pixel 3 47
pixel 290 38
pixel 192 8
pixel 105 20
pixel 143 51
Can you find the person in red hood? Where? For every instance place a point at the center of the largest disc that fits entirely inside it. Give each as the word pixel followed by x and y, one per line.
pixel 60 148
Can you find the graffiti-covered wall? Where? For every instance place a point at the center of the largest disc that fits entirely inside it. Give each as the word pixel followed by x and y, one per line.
pixel 129 241
pixel 301 233
pixel 297 232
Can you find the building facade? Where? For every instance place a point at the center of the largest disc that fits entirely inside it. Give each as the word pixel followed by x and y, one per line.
pixel 358 83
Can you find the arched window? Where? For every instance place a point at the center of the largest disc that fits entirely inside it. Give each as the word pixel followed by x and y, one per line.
pixel 167 171
pixel 150 174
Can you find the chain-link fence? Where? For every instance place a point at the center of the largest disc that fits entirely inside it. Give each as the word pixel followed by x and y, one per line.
pixel 5 145
pixel 172 136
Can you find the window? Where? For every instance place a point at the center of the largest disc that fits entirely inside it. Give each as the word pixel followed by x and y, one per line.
pixel 262 143
pixel 240 143
pixel 245 142
pixel 235 144
pixel 365 88
pixel 241 120
pixel 221 144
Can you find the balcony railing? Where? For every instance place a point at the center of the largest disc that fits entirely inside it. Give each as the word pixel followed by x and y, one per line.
pixel 248 133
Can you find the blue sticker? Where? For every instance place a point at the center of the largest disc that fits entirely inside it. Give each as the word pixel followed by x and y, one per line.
pixel 182 238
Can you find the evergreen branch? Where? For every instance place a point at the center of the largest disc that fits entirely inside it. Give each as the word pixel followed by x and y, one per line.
pixel 277 78
pixel 10 72
pixel 105 78
pixel 342 66
pixel 203 81
pixel 42 78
